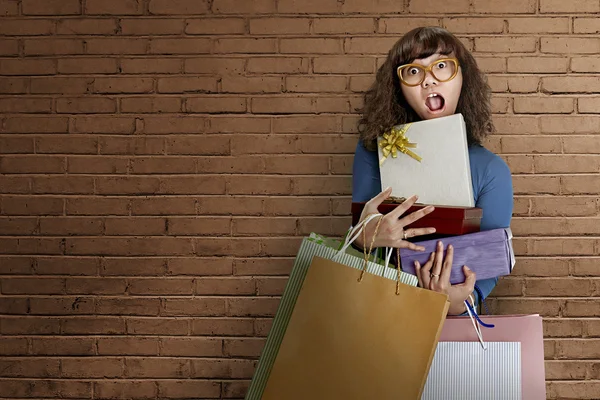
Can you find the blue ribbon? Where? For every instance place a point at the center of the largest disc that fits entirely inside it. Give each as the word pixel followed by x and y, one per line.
pixel 477 316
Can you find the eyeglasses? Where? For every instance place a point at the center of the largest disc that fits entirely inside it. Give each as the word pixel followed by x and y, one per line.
pixel 443 70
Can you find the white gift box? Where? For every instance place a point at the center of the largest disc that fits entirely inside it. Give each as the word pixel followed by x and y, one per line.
pixel 443 174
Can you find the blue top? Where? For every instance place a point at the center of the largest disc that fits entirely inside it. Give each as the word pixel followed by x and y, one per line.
pixel 492 189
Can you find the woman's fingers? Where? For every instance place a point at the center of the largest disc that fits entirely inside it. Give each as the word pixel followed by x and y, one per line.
pixel 418 273
pixel 447 266
pixel 372 205
pixel 436 270
pixel 410 233
pixel 414 216
pixel 402 208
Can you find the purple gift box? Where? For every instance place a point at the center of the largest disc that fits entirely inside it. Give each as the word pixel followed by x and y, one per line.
pixel 488 253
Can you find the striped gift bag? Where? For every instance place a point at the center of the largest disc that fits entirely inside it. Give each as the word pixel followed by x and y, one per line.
pixel 311 246
pixel 467 371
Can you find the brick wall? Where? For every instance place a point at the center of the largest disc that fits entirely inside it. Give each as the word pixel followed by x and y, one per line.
pixel 161 160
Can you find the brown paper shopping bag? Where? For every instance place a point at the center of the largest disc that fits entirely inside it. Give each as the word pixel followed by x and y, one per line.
pixel 355 336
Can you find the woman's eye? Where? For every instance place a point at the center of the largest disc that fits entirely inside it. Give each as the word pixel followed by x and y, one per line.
pixel 413 71
pixel 441 65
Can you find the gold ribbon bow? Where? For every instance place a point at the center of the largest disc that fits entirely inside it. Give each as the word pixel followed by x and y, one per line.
pixel 395 141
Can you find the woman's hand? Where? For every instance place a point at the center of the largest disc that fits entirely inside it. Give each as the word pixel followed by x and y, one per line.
pixel 391 231
pixel 435 275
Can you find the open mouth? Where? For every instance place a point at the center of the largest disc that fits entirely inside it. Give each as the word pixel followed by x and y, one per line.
pixel 435 102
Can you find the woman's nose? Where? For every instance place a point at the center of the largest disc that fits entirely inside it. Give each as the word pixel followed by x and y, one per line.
pixel 429 80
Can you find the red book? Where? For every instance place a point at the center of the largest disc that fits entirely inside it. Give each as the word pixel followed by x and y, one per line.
pixel 446 220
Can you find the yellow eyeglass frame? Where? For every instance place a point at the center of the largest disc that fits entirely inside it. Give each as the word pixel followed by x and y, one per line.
pixel 429 69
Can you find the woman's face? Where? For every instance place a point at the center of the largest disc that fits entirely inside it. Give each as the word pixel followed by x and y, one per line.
pixel 432 98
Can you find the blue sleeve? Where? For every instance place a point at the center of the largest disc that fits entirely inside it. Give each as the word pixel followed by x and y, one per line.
pixel 496 200
pixel 366 182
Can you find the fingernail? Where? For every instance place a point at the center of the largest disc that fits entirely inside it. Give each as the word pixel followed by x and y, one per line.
pixel 450 246
pixel 467 268
pixel 416 264
pixel 388 188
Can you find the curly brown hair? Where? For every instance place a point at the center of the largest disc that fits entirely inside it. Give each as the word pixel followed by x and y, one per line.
pixel 385 106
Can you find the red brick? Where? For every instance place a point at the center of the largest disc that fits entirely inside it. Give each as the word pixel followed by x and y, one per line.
pixel 344 25
pixel 18 226
pixel 251 84
pixel 127 185
pixel 66 266
pixel 266 185
pixel 61 85
pixel 214 104
pixel 191 347
pixel 506 44
pixel 187 85
pixel 262 266
pixel 308 7
pixel 563 327
pixel 262 226
pixel 538 64
pixel 161 286
pixel 9 47
pixel 70 226
pixel 579 184
pixel 200 226
pixel 123 85
pixel 151 105
pixel 86 105
pixel 53 46
pixel 16 145
pixel 127 306
pixel 573 390
pixel 368 45
pixel 577 6
pixel 132 145
pixel 125 389
pixel 214 65
pixel 570 45
pixel 538 25
pixel 586 25
pixel 584 267
pixel 299 124
pixel 14 305
pixel 474 25
pixel 244 347
pixel 150 65
pixel 32 368
pixel 114 7
pixel 311 46
pixel 135 226
pixel 32 164
pixel 154 26
pixel 215 26
pixel 225 286
pixel 511 6
pixel 174 389
pixel 147 246
pixel 230 205
pixel 200 266
pixel 109 286
pixel 242 164
pixel 36 124
pixel 70 346
pixel 273 286
pixel 180 46
pixel 235 389
pixel 61 305
pixel 185 7
pixel 87 26
pixel 224 368
pixel 9 7
pixel 240 124
pixel 14 85
pixel 63 185
pixel 196 306
pixel 206 145
pixel 222 326
pixel 92 367
pixel 163 206
pixel 13 346
pixel 536 105
pixel 116 46
pixel 32 206
pixel 274 26
pixel 157 326
pixel 97 206
pixel 94 325
pixel 87 66
pixel 26 106
pixel 163 165
pixel 559 287
pixel 27 67
pixel 227 247
pixel 530 144
pixel 252 306
pixel 519 305
pixel 429 6
pixel 51 7
pixel 133 266
pixel 116 346
pixel 563 206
